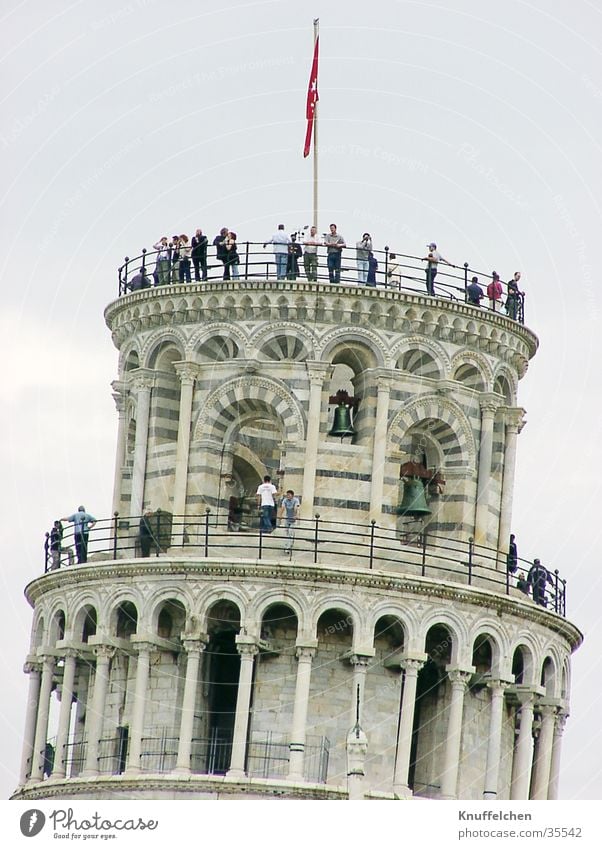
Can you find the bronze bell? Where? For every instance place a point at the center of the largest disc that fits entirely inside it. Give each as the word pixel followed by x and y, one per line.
pixel 414 499
pixel 341 425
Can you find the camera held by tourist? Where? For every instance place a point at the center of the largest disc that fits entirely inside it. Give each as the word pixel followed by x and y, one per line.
pixel 363 248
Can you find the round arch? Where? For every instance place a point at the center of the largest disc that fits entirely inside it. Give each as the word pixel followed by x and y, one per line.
pixel 159 338
pixel 368 348
pixel 433 408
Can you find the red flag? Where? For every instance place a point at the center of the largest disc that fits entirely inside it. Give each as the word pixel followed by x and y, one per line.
pixel 312 99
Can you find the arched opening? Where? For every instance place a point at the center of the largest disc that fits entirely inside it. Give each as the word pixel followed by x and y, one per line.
pixel 502 387
pixel 126 620
pixel 548 677
pixel 428 733
pixel 57 628
pixel 86 623
pixel 132 361
pixel 217 349
pixel 221 662
pixel 165 397
pixel 522 665
pixel 469 375
pixel 171 621
pixel 482 656
pixel 419 363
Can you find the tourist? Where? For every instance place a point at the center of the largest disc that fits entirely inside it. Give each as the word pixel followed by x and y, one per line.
pixel 184 253
pixel 174 258
pixel 265 501
pixel 372 269
pixel 145 534
pixel 514 298
pixel 292 259
pixel 310 256
pixel 512 556
pixel 280 241
pixel 494 292
pixel 232 258
pixel 82 523
pixel 432 259
pixel 162 264
pixel 221 252
pixel 334 243
pixel 474 293
pixel 139 281
pixel 393 272
pixel 199 244
pixel 522 584
pixel 538 577
pixel 289 511
pixel 363 248
pixel 56 539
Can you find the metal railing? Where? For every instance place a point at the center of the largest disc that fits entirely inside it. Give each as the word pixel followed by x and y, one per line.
pixel 396 272
pixel 317 541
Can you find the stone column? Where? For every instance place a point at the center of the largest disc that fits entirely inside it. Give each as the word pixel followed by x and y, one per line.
pixel 31 713
pixel 488 408
pixel 96 708
pixel 360 663
pixel 560 722
pixel 494 742
pixel 39 746
pixel 379 444
pixel 514 425
pixel 120 398
pixel 411 667
pixel 541 779
pixel 449 778
pixel 317 373
pixel 140 694
pixel 62 737
pixel 143 383
pixel 357 749
pixel 247 649
pixel 523 749
pixel 193 647
pixel 187 374
pixel 305 656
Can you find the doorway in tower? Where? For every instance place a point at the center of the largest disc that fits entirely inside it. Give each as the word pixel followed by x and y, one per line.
pixel 213 748
pixel 429 730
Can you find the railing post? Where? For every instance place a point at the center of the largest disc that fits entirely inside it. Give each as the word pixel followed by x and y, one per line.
pixel 125 275
pixel 317 522
pixel 158 540
pixel 119 283
pixel 144 262
pixel 386 265
pixel 563 596
pixel 372 526
pixel 260 541
pixel 465 282
pixel 423 535
pixel 470 550
pixel 46 553
pixel 115 517
pixel 556 605
pixel 207 511
pixel 247 261
pixel 507 580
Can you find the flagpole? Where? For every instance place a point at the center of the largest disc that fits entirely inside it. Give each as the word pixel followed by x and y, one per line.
pixel 315 128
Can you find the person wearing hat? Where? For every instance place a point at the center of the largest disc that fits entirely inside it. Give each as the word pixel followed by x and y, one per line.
pixel 82 522
pixel 432 258
pixel 474 293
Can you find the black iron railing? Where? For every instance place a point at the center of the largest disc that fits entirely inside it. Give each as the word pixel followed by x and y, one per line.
pixel 318 541
pixel 396 272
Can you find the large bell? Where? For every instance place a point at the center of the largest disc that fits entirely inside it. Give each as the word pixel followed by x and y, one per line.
pixel 414 499
pixel 341 425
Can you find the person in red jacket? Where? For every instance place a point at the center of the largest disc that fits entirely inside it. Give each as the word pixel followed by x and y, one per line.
pixel 494 293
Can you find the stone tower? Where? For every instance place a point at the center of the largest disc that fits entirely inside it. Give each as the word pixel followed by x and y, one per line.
pixel 390 653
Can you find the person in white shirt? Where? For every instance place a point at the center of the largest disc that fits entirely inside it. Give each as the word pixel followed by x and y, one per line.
pixel 162 266
pixel 265 501
pixel 310 257
pixel 281 241
pixel 433 257
pixel 334 244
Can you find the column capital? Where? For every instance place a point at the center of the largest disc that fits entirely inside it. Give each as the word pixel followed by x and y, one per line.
pixel 120 394
pixel 142 378
pixel 247 646
pixel 514 418
pixel 142 645
pixel 383 377
pixel 361 660
pixel 489 403
pixel 32 666
pixel 498 684
pixel 305 652
pixel 412 665
pixel 195 644
pixel 104 652
pixel 187 371
pixel 317 371
pixel 459 677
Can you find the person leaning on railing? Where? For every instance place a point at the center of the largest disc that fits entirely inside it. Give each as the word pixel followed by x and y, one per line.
pixel 432 259
pixel 334 243
pixel 513 299
pixel 82 522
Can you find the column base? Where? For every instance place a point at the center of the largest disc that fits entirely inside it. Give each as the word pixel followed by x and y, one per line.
pixel 236 774
pixel 402 791
pixel 181 770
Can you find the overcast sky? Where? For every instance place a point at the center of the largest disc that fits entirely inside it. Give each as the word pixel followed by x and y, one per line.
pixel 476 124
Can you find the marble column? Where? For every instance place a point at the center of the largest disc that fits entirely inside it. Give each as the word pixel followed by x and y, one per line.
pixel 411 667
pixel 379 444
pixel 39 746
pixel 523 749
pixel 62 737
pixel 449 777
pixel 194 648
pixel 541 779
pixel 559 724
pixel 514 425
pixel 317 374
pixel 488 408
pixel 143 381
pixel 120 398
pixel 187 374
pixel 360 663
pixel 96 708
pixel 305 656
pixel 31 713
pixel 494 740
pixel 247 649
pixel 138 708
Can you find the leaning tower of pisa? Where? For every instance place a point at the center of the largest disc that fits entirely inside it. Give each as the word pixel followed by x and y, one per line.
pixel 389 654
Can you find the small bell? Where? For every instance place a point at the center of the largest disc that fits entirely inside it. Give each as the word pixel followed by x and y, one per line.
pixel 414 499
pixel 341 425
